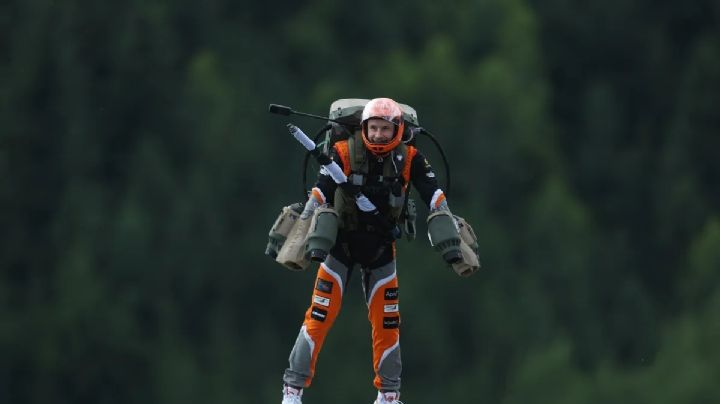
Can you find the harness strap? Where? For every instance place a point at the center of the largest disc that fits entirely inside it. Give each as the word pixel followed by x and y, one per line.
pixel 344 153
pixel 354 160
pixel 396 167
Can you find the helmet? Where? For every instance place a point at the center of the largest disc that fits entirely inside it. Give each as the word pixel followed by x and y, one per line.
pixel 388 110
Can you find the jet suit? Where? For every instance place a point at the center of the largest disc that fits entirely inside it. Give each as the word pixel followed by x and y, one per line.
pixel 363 243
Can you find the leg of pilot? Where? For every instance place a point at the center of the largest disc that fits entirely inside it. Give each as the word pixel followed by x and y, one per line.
pixel 382 298
pixel 324 308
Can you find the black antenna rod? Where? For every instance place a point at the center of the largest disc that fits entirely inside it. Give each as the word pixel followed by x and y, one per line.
pixel 283 110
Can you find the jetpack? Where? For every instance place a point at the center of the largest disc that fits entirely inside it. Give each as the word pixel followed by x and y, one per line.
pixel 299 237
pixel 343 121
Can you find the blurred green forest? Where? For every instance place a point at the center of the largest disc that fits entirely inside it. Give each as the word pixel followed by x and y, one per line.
pixel 140 173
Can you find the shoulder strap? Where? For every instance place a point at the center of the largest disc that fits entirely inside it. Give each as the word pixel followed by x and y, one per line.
pixel 358 157
pixel 410 155
pixel 354 157
pixel 344 153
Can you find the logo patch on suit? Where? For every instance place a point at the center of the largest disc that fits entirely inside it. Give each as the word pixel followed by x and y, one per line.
pixel 318 313
pixel 391 293
pixel 323 301
pixel 324 286
pixel 391 322
pixel 391 308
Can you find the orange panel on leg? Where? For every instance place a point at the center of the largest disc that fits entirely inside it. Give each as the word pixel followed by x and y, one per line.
pixel 384 315
pixel 320 316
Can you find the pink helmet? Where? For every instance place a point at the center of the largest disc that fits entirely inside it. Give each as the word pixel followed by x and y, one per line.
pixel 388 110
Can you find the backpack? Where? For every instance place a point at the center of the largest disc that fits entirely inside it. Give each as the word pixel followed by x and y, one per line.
pixel 346 114
pixel 344 121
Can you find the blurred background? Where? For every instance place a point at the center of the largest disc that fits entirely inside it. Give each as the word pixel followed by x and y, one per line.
pixel 140 173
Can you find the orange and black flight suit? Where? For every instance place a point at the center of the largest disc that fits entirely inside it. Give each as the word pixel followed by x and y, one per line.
pixel 372 250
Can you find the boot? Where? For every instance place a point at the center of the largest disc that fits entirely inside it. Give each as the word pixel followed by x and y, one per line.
pixel 292 395
pixel 388 397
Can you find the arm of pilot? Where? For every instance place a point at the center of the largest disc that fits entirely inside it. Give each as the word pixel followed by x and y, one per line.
pixel 465 260
pixel 324 190
pixel 424 180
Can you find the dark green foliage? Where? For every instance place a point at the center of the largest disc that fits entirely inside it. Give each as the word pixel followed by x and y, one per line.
pixel 140 173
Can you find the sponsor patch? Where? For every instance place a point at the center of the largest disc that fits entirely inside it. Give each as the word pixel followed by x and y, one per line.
pixel 318 314
pixel 323 301
pixel 391 293
pixel 324 286
pixel 391 322
pixel 391 308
